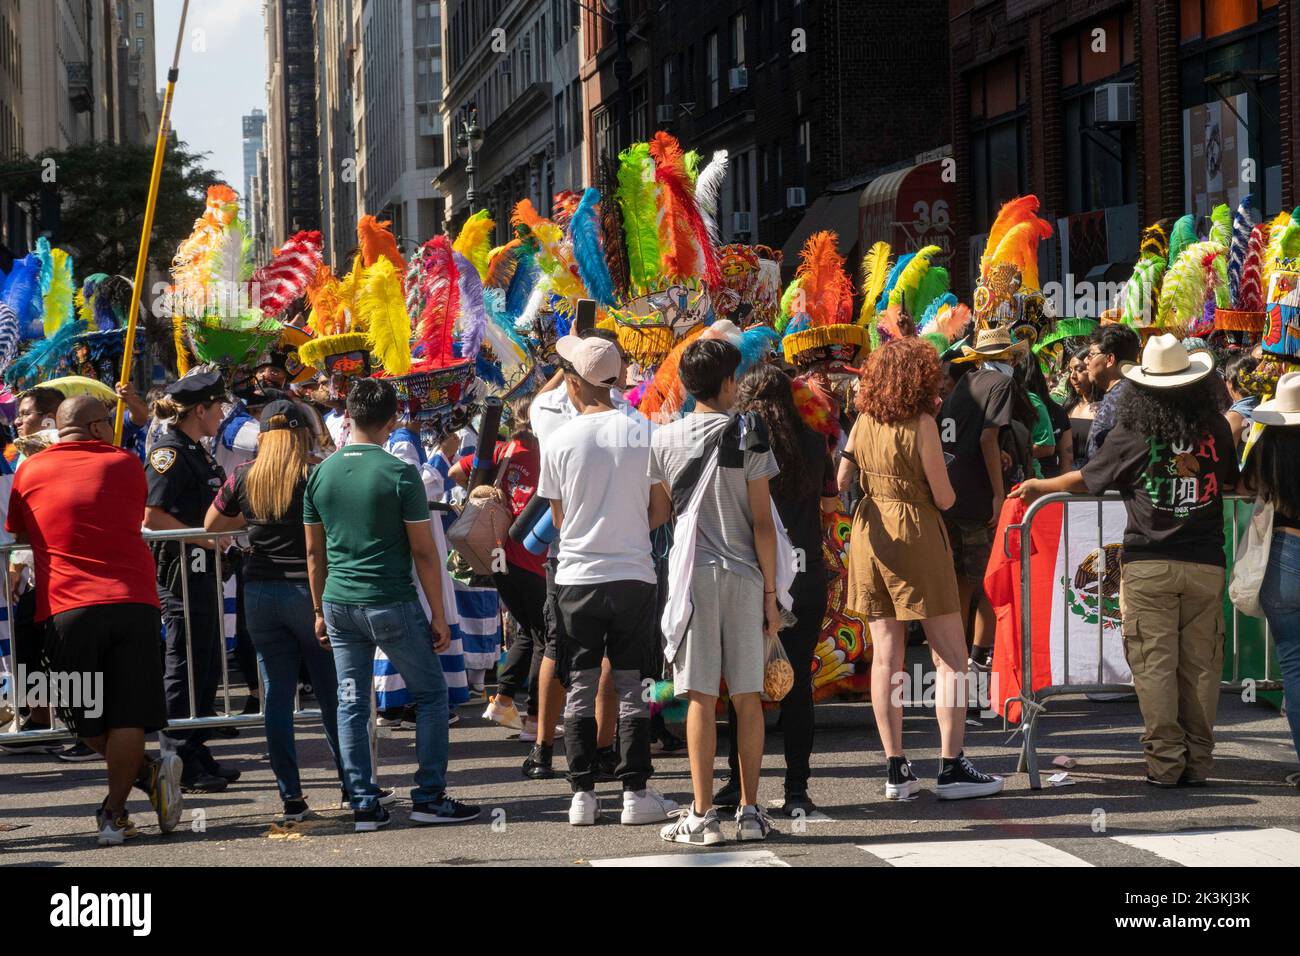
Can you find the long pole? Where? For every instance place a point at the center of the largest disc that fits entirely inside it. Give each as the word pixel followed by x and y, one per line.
pixel 146 232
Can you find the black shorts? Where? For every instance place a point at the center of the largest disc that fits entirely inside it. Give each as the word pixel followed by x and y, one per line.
pixel 550 616
pixel 28 634
pixel 108 656
pixel 972 544
pixel 614 619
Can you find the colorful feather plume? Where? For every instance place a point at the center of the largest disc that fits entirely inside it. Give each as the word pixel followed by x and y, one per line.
pixel 905 292
pixel 46 255
pixel 1283 243
pixel 475 241
pixel 510 349
pixel 283 280
pixel 10 336
pixel 1187 284
pixel 1250 288
pixel 441 285
pixel 1141 292
pixel 39 362
pixel 665 396
pixel 611 222
pixel 790 300
pixel 1155 242
pixel 637 196
pixel 323 296
pixel 502 263
pixel 755 345
pixel 1221 225
pixel 688 252
pixel 376 239
pixel 817 409
pixel 1242 224
pixel 61 292
pixel 707 189
pixel 891 280
pixel 1014 238
pixel 1181 236
pixel 875 272
pixel 22 293
pixel 526 278
pixel 473 313
pixel 563 205
pixel 588 252
pixel 381 309
pixel 827 291
pixel 411 283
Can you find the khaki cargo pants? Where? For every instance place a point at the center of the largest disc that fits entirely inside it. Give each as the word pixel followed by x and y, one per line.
pixel 1173 639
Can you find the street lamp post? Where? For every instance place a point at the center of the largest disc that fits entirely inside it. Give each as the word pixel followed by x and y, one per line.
pixel 468 143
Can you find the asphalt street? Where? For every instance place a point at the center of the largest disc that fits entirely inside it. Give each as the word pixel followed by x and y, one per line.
pixel 1105 815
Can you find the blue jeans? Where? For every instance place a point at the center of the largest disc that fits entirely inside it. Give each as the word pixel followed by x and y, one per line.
pixel 403 633
pixel 280 624
pixel 1279 595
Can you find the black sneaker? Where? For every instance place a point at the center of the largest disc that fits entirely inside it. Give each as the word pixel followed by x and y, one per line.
pixel 959 780
pixel 537 765
pixel 901 783
pixel 203 782
pixel 387 797
pixel 796 805
pixel 367 821
pixel 295 811
pixel 210 766
pixel 443 810
pixel 606 764
pixel 78 753
pixel 728 796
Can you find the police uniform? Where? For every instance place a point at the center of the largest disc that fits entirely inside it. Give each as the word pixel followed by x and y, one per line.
pixel 183 479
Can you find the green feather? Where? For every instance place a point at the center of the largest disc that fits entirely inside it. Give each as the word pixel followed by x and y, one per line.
pixel 1182 294
pixel 692 162
pixel 933 284
pixel 637 193
pixel 1222 293
pixel 787 298
pixel 904 291
pixel 1181 236
pixel 1141 291
pixel 1221 225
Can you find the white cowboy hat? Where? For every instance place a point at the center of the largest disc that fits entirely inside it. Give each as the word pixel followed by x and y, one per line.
pixel 1284 407
pixel 1167 364
pixel 993 343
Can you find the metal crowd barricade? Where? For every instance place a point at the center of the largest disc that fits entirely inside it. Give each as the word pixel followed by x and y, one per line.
pixel 59 732
pixel 1033 701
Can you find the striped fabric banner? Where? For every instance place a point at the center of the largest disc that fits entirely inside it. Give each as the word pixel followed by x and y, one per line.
pixel 480 625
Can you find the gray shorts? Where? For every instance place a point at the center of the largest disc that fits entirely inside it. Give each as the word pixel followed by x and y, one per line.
pixel 725 636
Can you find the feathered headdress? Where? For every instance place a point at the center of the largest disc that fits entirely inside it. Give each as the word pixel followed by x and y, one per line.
pixel 588 252
pixel 1013 238
pixel 821 325
pixel 381 311
pixel 283 280
pixel 876 267
pixel 1187 285
pixel 375 239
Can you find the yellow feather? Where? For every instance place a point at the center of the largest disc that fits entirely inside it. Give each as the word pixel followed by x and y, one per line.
pixel 473 241
pixel 59 300
pixel 1273 249
pixel 875 271
pixel 381 309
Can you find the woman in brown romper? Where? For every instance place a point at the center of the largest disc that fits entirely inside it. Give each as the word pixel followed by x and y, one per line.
pixel 900 565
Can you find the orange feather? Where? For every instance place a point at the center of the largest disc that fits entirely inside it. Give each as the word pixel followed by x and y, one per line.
pixel 826 288
pixel 377 240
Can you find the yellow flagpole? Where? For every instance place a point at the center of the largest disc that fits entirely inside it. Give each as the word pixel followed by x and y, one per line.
pixel 151 205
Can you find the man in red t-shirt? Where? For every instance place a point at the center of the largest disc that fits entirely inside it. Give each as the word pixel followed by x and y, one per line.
pixel 79 505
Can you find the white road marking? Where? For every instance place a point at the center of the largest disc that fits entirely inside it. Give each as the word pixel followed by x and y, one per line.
pixel 698 858
pixel 985 853
pixel 1271 847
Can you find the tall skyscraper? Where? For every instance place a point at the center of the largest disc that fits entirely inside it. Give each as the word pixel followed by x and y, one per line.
pixel 293 148
pixel 254 139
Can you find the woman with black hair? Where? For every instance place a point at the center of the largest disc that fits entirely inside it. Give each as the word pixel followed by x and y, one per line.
pixel 1079 408
pixel 803 488
pixel 1172 455
pixel 1272 471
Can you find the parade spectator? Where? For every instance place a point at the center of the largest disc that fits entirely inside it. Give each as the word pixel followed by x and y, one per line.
pixel 1110 349
pixel 1272 471
pixel 1078 407
pixel 1171 455
pixel 899 558
pixel 183 479
pixel 367 521
pixel 731 581
pixel 79 504
pixel 803 488
pixel 1237 376
pixel 265 496
pixel 594 475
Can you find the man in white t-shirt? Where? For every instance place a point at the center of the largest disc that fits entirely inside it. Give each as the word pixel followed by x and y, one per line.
pixel 595 475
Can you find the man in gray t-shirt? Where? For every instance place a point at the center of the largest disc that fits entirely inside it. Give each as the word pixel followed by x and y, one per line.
pixel 732 583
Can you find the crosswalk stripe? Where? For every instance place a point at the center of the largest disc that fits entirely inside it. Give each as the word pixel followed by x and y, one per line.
pixel 986 853
pixel 698 858
pixel 1270 847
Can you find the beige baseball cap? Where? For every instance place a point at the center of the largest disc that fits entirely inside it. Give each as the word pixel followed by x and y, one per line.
pixel 596 360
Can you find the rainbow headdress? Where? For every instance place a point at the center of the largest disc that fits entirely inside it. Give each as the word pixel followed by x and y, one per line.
pixel 661 246
pixel 750 293
pixel 1008 293
pixel 909 297
pixel 1281 269
pixel 215 321
pixel 816 318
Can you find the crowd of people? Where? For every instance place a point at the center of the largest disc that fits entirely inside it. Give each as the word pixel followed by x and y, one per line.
pixel 338 547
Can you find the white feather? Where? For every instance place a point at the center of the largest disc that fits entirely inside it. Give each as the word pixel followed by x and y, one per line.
pixel 227 271
pixel 707 188
pixel 527 321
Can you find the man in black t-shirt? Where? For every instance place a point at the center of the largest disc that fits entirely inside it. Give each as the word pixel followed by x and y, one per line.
pixel 1171 455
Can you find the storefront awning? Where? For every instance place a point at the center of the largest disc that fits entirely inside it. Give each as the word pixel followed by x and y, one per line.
pixel 908 208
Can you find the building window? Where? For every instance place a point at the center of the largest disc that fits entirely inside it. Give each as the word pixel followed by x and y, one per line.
pixel 805 143
pixel 667 91
pixel 601 122
pixel 997 140
pixel 561 125
pixel 738 40
pixel 711 67
pixel 575 112
pixel 139 21
pixel 638 106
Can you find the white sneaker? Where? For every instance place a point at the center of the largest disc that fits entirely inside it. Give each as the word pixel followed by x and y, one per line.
pixel 908 788
pixel 504 714
pixel 584 809
pixel 692 828
pixel 646 806
pixel 752 823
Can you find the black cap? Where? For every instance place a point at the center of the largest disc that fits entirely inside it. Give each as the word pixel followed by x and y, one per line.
pixel 291 413
pixel 198 387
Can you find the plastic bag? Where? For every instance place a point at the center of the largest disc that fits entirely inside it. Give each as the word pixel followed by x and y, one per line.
pixel 778 674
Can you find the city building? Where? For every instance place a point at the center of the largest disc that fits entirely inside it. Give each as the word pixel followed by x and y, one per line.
pixel 138 104
pixel 511 73
pixel 1119 114
pixel 293 193
pixel 336 51
pixel 814 101
pixel 254 128
pixel 14 221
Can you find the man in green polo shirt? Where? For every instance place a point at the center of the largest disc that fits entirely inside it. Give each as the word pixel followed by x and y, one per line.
pixel 367 523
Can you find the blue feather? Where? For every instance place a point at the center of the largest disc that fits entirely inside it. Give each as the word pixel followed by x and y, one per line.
pixel 563 320
pixel 494 300
pixel 932 312
pixel 584 227
pixel 22 293
pixel 755 345
pixel 488 371
pixel 883 302
pixel 9 336
pixel 1242 223
pixel 521 285
pixel 43 253
pixel 471 306
pixel 40 361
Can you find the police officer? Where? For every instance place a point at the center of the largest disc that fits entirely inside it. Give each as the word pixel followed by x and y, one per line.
pixel 183 479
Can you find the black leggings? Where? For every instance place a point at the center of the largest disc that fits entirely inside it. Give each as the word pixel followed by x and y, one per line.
pixel 800 642
pixel 524 595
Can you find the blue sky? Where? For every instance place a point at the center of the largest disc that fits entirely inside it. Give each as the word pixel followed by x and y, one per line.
pixel 222 76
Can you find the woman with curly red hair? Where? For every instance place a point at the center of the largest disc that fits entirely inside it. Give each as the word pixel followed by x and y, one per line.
pixel 900 561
